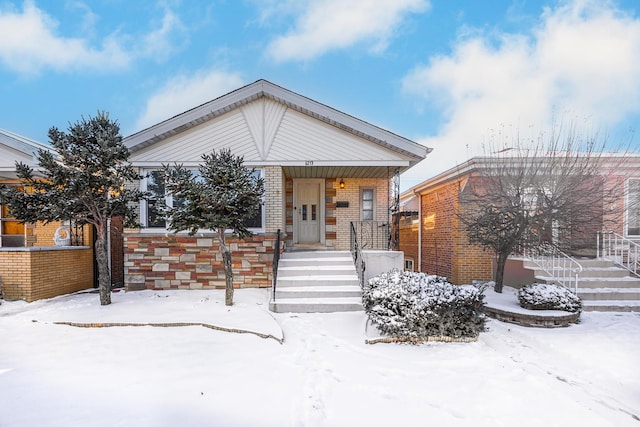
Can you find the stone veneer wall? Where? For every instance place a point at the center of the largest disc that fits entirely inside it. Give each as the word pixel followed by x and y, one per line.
pixel 191 262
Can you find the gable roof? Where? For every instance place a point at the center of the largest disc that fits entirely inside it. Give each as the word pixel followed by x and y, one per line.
pixel 302 104
pixel 15 148
pixel 20 143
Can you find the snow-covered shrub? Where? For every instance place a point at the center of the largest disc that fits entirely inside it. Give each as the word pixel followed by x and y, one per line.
pixel 406 304
pixel 540 296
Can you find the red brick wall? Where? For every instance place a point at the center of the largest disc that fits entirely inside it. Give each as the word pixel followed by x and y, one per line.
pixel 445 249
pixel 190 262
pixel 437 222
pixel 409 243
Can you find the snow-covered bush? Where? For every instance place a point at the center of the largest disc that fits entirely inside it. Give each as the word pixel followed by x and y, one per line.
pixel 406 304
pixel 540 296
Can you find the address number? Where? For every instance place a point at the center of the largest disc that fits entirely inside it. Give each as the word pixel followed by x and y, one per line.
pixel 308 163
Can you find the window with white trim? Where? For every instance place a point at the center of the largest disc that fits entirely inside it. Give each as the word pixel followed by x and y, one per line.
pixel 151 213
pixel 367 204
pixel 408 264
pixel 632 226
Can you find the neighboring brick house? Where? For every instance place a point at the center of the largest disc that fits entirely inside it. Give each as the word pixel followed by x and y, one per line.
pixel 322 168
pixel 31 266
pixel 444 248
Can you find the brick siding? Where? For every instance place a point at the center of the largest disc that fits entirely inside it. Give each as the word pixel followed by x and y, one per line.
pixel 445 248
pixel 32 274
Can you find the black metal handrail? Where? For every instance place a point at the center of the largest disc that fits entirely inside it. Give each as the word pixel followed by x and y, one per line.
pixel 373 235
pixel 276 260
pixel 356 252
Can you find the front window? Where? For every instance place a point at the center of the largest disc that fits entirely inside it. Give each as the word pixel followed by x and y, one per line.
pixel 12 230
pixel 633 207
pixel 256 221
pixel 152 212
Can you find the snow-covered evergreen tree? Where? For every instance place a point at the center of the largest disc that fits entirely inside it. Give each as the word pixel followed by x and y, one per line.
pixel 83 180
pixel 223 196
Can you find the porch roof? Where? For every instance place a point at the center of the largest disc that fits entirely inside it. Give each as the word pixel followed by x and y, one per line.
pixel 190 119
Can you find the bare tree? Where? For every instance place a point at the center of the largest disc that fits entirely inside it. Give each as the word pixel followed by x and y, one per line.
pixel 551 191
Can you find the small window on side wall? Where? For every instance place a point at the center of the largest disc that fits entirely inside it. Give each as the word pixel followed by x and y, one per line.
pixel 367 204
pixel 408 264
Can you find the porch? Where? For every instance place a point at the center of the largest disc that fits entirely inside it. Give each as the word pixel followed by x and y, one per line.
pixel 610 281
pixel 323 281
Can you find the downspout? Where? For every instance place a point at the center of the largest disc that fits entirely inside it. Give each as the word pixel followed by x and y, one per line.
pixel 419 230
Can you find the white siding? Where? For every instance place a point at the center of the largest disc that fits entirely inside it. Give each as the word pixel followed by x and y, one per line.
pixel 227 131
pixel 263 119
pixel 301 137
pixel 266 131
pixel 9 156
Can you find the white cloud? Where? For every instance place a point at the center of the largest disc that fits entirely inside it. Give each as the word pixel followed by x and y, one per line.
pixel 337 24
pixel 183 92
pixel 30 42
pixel 580 61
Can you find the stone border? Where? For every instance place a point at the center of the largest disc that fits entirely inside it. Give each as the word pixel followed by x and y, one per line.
pixel 415 340
pixel 408 340
pixel 169 325
pixel 532 320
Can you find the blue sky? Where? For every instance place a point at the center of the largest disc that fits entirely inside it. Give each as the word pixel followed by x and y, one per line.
pixel 450 74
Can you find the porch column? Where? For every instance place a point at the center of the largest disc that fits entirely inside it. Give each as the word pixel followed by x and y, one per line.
pixel 274 198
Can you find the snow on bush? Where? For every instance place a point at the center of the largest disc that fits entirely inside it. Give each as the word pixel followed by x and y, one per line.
pixel 540 296
pixel 406 304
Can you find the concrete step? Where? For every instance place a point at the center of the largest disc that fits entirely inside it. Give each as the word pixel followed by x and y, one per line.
pixel 591 272
pixel 295 262
pixel 613 305
pixel 609 294
pixel 316 270
pixel 599 282
pixel 315 254
pixel 585 263
pixel 311 281
pixel 317 282
pixel 315 305
pixel 318 292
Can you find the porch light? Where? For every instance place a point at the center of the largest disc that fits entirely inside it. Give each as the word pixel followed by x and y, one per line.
pixel 341 183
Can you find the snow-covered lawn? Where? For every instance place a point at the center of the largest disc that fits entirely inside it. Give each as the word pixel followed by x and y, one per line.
pixel 323 375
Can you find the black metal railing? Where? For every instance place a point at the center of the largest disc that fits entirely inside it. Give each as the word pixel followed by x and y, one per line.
pixel 356 252
pixel 276 260
pixel 372 235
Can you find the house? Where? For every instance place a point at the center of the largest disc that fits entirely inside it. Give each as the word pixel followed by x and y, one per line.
pixel 435 242
pixel 323 171
pixel 32 265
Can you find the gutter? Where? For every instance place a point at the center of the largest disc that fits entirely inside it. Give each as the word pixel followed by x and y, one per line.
pixel 419 230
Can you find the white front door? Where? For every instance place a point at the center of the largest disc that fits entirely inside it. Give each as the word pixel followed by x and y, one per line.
pixel 308 211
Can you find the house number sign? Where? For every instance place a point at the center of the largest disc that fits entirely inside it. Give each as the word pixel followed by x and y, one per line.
pixel 308 162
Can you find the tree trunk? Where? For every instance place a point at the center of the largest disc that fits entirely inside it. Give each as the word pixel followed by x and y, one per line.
pixel 500 264
pixel 104 277
pixel 228 270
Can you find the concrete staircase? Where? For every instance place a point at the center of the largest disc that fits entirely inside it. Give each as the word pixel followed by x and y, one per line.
pixel 603 286
pixel 316 282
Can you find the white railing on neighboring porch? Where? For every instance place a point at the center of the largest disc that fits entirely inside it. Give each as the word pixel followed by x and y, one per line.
pixel 562 268
pixel 619 249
